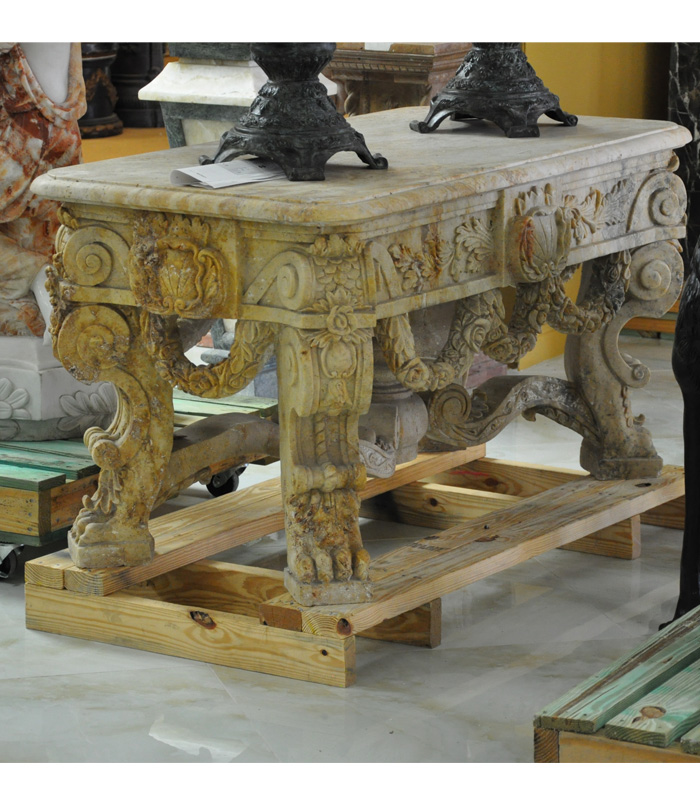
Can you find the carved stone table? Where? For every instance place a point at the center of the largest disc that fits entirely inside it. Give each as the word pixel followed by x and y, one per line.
pixel 316 270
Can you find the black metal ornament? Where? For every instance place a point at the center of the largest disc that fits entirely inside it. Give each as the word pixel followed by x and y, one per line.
pixel 292 121
pixel 495 82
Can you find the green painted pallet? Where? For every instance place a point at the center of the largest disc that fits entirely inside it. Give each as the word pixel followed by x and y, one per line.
pixel 42 483
pixel 643 707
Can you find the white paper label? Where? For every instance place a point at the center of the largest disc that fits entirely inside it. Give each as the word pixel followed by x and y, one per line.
pixel 227 173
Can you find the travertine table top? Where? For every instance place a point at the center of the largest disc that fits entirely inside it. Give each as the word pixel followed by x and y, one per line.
pixel 456 161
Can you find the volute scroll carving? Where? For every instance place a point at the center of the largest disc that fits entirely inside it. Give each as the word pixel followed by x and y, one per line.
pixel 655 281
pixel 661 200
pixel 90 254
pixel 460 419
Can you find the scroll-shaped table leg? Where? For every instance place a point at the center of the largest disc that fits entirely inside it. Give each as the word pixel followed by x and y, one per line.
pixel 622 447
pixel 325 384
pixel 97 342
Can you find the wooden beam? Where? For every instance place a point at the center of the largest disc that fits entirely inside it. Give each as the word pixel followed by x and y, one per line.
pixel 190 631
pixel 432 505
pixel 421 627
pixel 575 748
pixel 663 714
pixel 546 746
pixel 520 479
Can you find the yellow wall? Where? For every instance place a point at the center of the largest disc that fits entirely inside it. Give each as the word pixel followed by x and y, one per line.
pixel 600 79
pixel 605 79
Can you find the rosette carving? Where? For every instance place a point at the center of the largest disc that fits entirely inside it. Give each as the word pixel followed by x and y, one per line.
pixel 249 352
pixel 92 339
pixel 173 269
pixel 338 262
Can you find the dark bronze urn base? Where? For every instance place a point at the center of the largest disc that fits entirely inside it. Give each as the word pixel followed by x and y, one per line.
pixel 496 82
pixel 292 121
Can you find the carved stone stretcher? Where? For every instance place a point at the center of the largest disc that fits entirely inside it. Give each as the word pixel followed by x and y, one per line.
pixel 315 271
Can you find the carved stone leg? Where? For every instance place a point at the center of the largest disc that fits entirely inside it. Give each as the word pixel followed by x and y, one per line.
pixel 603 376
pixel 97 342
pixel 325 384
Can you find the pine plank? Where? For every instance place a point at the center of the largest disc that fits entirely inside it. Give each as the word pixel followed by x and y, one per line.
pixel 21 512
pixel 73 468
pixel 207 408
pixel 593 703
pixel 198 532
pixel 446 561
pixel 575 748
pixel 667 515
pixel 433 505
pixel 49 570
pixel 421 627
pixel 202 634
pixel 649 324
pixel 34 480
pixel 663 714
pixel 521 479
pixel 546 746
pixel 690 743
pixel 60 447
pixel 235 588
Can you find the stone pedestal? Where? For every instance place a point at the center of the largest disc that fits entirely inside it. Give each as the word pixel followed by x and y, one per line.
pixel 40 400
pixel 206 90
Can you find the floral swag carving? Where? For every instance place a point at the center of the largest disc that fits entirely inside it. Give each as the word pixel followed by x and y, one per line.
pixel 249 351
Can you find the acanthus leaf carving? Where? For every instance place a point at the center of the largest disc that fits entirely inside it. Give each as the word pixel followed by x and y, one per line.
pixel 585 217
pixel 338 263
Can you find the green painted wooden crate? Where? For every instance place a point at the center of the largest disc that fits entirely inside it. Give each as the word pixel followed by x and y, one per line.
pixel 644 707
pixel 42 483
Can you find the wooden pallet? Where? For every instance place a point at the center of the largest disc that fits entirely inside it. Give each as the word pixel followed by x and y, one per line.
pixel 243 617
pixel 42 484
pixel 645 707
pixel 664 324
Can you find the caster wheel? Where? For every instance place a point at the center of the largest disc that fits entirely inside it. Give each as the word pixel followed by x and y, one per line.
pixel 8 567
pixel 225 482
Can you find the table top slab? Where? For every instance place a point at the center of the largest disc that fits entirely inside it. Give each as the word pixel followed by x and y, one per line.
pixel 457 161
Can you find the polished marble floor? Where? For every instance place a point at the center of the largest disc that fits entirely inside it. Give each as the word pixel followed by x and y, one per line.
pixel 511 643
